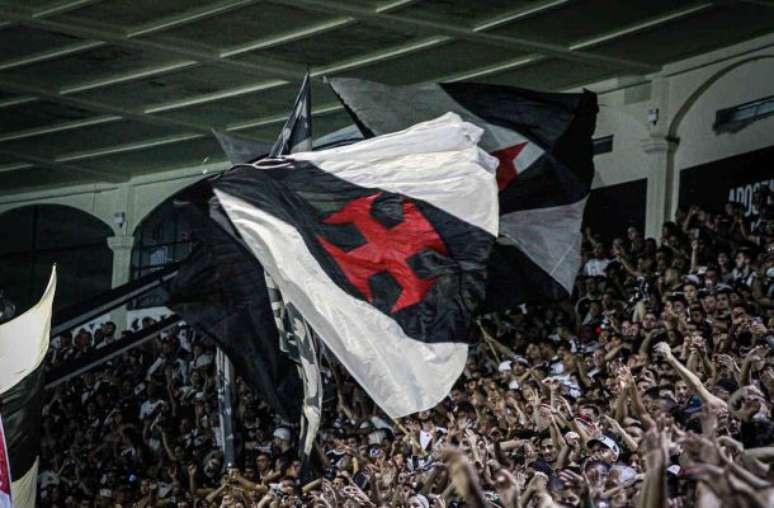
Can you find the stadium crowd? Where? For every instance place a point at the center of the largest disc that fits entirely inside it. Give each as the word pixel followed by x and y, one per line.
pixel 653 387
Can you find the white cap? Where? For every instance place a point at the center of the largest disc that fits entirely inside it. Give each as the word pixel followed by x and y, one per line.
pixel 608 442
pixel 282 433
pixel 520 359
pixel 376 437
pixel 422 500
pixel 203 360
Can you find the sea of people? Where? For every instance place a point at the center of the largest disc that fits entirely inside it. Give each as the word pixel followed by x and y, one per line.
pixel 651 387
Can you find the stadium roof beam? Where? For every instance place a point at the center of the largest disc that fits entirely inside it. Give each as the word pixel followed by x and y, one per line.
pixel 50 54
pixel 475 34
pixel 190 16
pixel 520 14
pixel 190 101
pixel 172 22
pixel 165 23
pixel 143 113
pixel 335 67
pixel 104 33
pixel 99 107
pixel 119 37
pixel 263 121
pixel 57 8
pixel 54 8
pixel 34 160
pixel 639 27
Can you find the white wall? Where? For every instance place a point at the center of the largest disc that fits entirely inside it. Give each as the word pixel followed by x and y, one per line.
pixel 686 94
pixel 627 161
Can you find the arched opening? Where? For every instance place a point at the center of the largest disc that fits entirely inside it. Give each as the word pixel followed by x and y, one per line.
pixel 37 236
pixel 162 237
pixel 711 167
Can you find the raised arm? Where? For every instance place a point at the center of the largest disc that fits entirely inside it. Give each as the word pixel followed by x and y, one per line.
pixel 662 348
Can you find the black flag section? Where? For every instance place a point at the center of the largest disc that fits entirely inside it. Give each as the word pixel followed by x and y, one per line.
pixel 220 290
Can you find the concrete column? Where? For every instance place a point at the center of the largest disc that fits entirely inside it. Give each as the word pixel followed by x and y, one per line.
pixel 662 185
pixel 121 245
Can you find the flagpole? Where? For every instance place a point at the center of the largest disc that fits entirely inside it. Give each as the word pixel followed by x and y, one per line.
pixel 225 380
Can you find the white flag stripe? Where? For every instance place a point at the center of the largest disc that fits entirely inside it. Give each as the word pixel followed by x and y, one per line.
pixel 401 374
pixel 506 138
pixel 447 132
pixel 24 489
pixel 550 237
pixel 383 108
pixel 24 339
pixel 436 161
pixel 527 157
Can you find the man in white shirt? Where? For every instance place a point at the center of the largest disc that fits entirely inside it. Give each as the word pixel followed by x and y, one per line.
pixel 597 263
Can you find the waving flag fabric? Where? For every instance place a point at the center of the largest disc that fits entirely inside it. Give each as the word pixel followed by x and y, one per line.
pixel 223 291
pixel 23 346
pixel 543 143
pixel 382 247
pixel 220 290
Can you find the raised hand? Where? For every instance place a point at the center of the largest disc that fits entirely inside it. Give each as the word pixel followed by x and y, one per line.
pixel 508 487
pixel 662 349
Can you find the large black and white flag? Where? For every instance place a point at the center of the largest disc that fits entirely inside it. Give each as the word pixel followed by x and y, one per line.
pixel 543 143
pixel 382 247
pixel 23 347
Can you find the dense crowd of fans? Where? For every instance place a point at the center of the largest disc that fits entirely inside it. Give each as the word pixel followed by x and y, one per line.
pixel 652 387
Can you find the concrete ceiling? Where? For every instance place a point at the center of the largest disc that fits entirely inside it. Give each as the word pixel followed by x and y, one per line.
pixel 104 90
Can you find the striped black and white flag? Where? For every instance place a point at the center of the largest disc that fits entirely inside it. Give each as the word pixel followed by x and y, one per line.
pixel 299 343
pixel 382 247
pixel 23 347
pixel 543 144
pixel 297 339
pixel 296 134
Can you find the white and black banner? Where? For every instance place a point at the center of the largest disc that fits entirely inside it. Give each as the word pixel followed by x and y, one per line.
pixel 23 346
pixel 382 247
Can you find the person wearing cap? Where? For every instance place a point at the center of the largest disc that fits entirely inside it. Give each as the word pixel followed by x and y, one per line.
pixel 604 449
pixel 418 501
pixel 281 444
